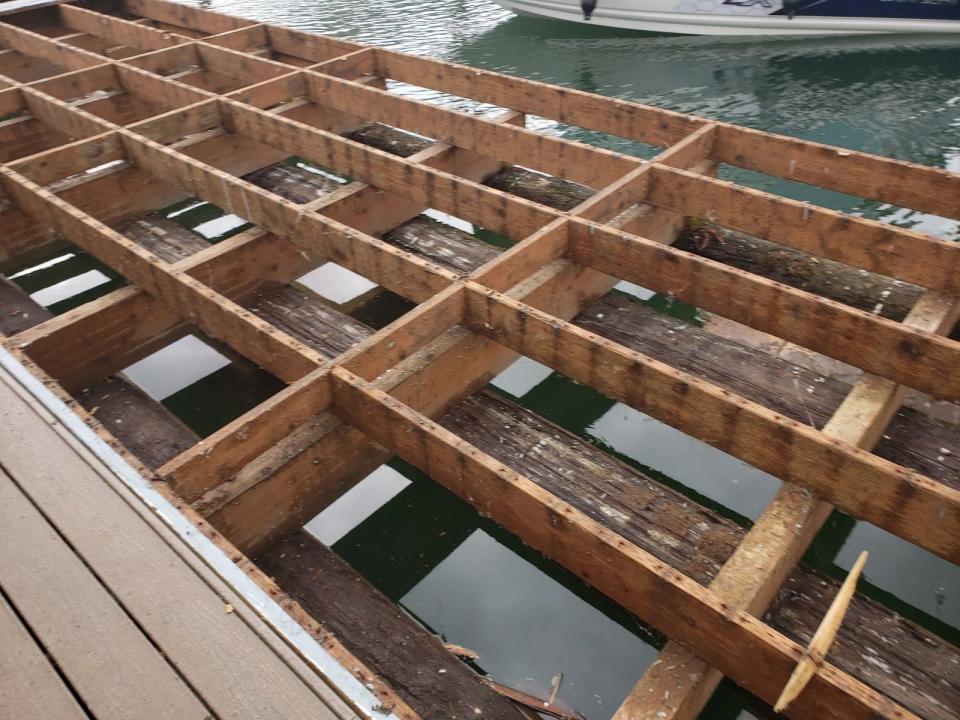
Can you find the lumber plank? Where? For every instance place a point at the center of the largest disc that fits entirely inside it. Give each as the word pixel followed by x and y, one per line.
pixel 219 317
pixel 281 490
pixel 117 30
pixel 931 190
pixel 146 428
pixel 781 535
pixel 71 613
pixel 898 352
pixel 759 566
pixel 433 681
pixel 858 242
pixel 29 685
pixel 867 291
pixel 104 348
pixel 914 666
pixel 861 484
pixel 751 653
pixel 17 311
pixel 913 439
pixel 586 164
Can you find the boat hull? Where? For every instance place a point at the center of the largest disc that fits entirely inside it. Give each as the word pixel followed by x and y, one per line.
pixel 730 17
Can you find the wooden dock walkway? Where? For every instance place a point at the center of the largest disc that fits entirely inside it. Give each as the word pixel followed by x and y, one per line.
pixel 106 613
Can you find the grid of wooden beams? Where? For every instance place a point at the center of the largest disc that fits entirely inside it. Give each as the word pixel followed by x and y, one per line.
pixel 171 96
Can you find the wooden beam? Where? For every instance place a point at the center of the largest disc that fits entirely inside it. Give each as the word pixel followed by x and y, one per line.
pixel 911 357
pixel 869 176
pixel 260 506
pixel 754 655
pixel 287 358
pixel 581 163
pixel 38 46
pixel 325 239
pixel 489 208
pixel 121 32
pixel 878 247
pixel 566 105
pixel 859 483
pixel 185 16
pixel 679 684
pixel 872 177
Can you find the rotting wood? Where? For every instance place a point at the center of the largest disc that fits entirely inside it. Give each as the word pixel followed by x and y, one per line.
pixel 782 533
pixel 431 679
pixel 864 290
pixel 749 653
pixel 793 451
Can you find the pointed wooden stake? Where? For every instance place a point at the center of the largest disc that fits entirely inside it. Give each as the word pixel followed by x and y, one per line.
pixel 822 639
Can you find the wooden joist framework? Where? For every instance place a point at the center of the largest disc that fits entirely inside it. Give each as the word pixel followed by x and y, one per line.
pixel 102 118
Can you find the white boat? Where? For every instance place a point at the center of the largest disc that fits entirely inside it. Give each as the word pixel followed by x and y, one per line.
pixel 753 17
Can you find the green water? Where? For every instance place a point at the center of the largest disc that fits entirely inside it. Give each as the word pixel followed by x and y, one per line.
pixel 460 574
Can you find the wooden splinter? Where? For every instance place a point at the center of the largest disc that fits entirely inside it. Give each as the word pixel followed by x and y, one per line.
pixel 822 639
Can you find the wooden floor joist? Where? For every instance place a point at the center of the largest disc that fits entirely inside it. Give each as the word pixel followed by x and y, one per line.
pixel 115 110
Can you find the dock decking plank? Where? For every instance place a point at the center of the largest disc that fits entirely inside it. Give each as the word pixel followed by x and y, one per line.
pixel 115 669
pixel 29 686
pixel 213 649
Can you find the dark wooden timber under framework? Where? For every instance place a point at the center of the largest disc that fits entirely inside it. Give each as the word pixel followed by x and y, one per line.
pixel 113 111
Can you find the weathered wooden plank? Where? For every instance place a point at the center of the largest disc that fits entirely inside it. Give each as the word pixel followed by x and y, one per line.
pixel 433 188
pixel 442 244
pixel 146 428
pixel 930 190
pixel 914 667
pixel 133 321
pixel 911 357
pixel 611 115
pixel 116 30
pixel 71 612
pixel 29 685
pixel 219 317
pixel 185 16
pixel 581 163
pixel 281 490
pixel 17 311
pixel 292 183
pixel 868 244
pixel 542 189
pixel 433 681
pixel 307 318
pixel 164 238
pixel 913 438
pixel 867 291
pixel 861 484
pixel 747 650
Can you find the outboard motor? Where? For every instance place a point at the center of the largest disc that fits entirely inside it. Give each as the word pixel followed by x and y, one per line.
pixel 588 6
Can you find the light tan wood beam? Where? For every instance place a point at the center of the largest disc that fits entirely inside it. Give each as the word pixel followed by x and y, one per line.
pixel 679 684
pixel 859 483
pixel 121 32
pixel 581 163
pixel 489 208
pixel 287 358
pixel 909 356
pixel 753 654
pixel 878 247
